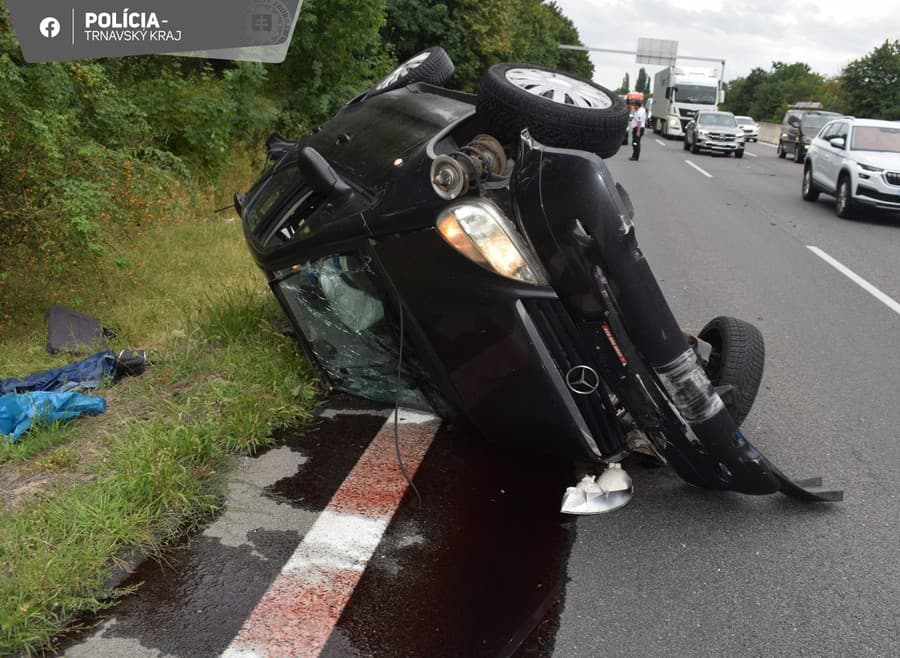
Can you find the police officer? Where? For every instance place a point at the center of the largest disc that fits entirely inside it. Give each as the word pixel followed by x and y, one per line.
pixel 636 128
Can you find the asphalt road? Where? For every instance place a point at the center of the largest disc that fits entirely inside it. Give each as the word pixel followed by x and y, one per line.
pixel 488 567
pixel 682 572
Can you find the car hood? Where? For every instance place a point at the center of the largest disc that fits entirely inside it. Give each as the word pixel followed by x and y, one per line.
pixel 884 160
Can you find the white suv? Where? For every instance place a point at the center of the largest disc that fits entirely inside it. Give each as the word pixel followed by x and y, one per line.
pixel 858 162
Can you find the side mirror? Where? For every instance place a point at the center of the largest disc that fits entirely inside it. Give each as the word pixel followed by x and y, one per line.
pixel 721 96
pixel 838 142
pixel 794 121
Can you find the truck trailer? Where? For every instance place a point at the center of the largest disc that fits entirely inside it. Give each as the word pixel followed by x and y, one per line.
pixel 679 93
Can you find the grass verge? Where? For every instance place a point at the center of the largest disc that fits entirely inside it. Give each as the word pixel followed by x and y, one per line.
pixel 80 495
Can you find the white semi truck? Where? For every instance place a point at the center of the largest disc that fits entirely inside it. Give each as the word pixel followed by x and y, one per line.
pixel 679 93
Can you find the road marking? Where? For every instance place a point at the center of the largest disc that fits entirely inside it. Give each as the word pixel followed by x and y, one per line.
pixel 857 279
pixel 705 173
pixel 752 155
pixel 298 612
pixel 660 142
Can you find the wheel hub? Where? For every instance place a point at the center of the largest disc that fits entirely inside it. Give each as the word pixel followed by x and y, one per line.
pixel 558 88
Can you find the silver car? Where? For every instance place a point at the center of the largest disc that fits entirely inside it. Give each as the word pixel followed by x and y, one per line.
pixel 858 162
pixel 714 131
pixel 750 128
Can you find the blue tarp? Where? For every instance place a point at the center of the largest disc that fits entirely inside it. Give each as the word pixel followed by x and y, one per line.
pixel 19 411
pixel 84 375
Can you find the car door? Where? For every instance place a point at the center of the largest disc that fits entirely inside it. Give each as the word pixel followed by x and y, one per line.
pixel 828 165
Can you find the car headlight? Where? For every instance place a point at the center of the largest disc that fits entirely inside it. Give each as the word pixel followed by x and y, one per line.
pixel 479 231
pixel 703 133
pixel 870 168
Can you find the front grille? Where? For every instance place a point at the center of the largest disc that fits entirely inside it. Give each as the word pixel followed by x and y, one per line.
pixel 864 190
pixel 892 177
pixel 561 338
pixel 722 137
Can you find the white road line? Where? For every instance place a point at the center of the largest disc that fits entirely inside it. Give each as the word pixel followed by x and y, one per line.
pixel 752 155
pixel 300 609
pixel 857 279
pixel 705 173
pixel 660 142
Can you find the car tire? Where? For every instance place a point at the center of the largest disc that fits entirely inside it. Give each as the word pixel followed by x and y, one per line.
pixel 685 145
pixel 739 153
pixel 808 186
pixel 844 206
pixel 737 359
pixel 694 147
pixel 432 65
pixel 798 154
pixel 513 97
pixel 780 150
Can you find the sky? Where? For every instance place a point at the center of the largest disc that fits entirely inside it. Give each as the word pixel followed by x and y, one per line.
pixel 747 34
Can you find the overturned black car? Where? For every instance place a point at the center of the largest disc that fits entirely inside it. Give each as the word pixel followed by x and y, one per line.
pixel 473 255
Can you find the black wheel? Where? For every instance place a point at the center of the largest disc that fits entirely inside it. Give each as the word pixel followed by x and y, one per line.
pixel 558 109
pixel 737 361
pixel 739 153
pixel 844 205
pixel 780 150
pixel 798 154
pixel 694 147
pixel 432 66
pixel 685 145
pixel 808 187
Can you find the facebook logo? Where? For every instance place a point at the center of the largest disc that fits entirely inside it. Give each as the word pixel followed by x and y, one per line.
pixel 49 27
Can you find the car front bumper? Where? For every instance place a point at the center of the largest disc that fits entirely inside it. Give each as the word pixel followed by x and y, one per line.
pixel 718 146
pixel 877 195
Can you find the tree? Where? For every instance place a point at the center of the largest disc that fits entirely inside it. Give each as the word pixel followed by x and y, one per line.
pixel 740 92
pixel 625 87
pixel 643 82
pixel 783 86
pixel 871 84
pixel 477 34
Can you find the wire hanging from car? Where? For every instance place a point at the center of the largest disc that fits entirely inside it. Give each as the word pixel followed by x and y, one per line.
pixel 397 400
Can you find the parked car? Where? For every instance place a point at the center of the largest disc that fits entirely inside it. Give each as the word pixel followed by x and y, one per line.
pixel 858 162
pixel 474 256
pixel 718 132
pixel 798 127
pixel 750 128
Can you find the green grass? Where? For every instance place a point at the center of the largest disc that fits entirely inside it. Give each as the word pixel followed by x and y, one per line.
pixel 222 378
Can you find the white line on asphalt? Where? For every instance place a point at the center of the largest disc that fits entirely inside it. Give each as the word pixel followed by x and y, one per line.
pixel 300 609
pixel 752 155
pixel 857 279
pixel 707 174
pixel 660 142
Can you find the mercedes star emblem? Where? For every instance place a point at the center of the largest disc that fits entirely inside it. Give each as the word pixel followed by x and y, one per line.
pixel 582 380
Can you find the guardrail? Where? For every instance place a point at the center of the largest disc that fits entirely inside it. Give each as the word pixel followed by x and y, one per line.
pixel 768 132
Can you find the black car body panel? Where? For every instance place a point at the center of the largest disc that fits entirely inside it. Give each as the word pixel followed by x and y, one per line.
pixel 353 254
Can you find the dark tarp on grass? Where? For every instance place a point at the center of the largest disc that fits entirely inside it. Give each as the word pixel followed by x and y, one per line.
pixel 84 375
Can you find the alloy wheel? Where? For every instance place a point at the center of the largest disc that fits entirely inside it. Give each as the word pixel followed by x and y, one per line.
pixel 558 88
